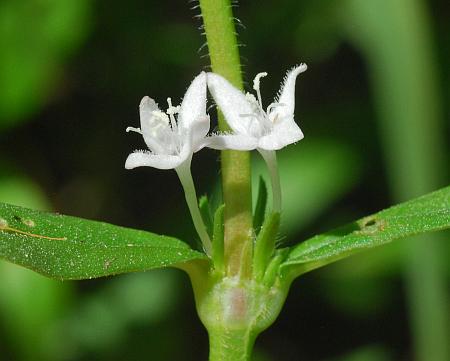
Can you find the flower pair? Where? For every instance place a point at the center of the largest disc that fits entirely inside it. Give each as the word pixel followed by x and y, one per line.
pixel 172 141
pixel 172 137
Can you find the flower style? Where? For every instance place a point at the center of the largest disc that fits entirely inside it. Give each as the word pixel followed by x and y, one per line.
pixel 172 143
pixel 255 128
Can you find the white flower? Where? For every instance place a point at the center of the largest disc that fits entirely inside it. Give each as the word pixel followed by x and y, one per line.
pixel 172 143
pixel 253 127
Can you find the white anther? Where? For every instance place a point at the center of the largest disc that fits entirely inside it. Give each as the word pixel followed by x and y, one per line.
pixel 171 109
pixel 161 116
pixel 256 81
pixel 132 129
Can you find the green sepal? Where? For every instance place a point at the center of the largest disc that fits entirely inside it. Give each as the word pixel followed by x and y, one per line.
pixel 265 244
pixel 273 268
pixel 218 239
pixel 205 211
pixel 261 205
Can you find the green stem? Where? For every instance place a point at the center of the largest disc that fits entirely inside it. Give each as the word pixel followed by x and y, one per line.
pixel 235 311
pixel 235 165
pixel 233 345
pixel 232 305
pixel 184 173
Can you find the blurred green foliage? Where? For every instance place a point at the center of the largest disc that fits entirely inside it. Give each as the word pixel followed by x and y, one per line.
pixel 402 64
pixel 71 77
pixel 369 353
pixel 36 38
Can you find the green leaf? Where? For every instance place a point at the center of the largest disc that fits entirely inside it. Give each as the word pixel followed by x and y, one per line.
pixel 65 247
pixel 28 301
pixel 265 244
pixel 205 211
pixel 260 207
pixel 424 214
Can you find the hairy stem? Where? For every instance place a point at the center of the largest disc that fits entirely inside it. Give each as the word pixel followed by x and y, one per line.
pixel 235 165
pixel 233 345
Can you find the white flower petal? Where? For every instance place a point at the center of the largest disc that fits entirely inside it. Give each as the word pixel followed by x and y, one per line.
pixel 193 105
pixel 170 142
pixel 231 141
pixel 147 107
pixel 286 96
pixel 283 134
pixel 147 159
pixel 199 130
pixel 232 102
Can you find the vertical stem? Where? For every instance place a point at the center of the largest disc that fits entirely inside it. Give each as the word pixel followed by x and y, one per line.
pixel 235 345
pixel 184 173
pixel 235 165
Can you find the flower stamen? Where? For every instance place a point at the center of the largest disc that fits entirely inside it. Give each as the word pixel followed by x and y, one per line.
pixel 171 111
pixel 132 129
pixel 256 86
pixel 160 122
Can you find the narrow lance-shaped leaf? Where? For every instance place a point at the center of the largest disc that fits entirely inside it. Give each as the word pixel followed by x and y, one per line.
pixel 424 214
pixel 261 203
pixel 205 211
pixel 65 247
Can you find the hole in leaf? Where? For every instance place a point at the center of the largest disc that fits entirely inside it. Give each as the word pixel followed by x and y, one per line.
pixel 371 225
pixel 368 222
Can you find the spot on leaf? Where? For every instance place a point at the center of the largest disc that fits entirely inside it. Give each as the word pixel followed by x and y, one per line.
pixel 3 223
pixel 28 222
pixel 371 224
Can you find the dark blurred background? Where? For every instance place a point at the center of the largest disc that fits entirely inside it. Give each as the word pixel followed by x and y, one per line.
pixel 374 107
